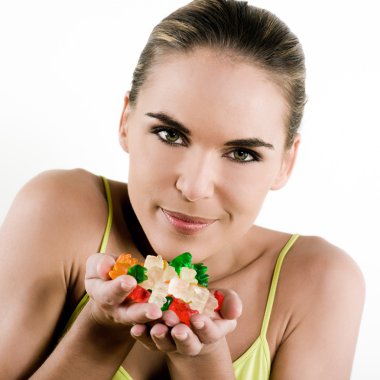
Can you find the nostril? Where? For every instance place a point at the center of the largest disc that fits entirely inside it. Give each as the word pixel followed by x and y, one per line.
pixel 193 190
pixel 196 179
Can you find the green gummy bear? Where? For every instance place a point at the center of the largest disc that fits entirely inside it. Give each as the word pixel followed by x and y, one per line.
pixel 183 260
pixel 138 272
pixel 166 305
pixel 201 275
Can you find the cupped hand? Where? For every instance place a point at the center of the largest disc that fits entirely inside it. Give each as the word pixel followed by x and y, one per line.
pixel 168 335
pixel 108 302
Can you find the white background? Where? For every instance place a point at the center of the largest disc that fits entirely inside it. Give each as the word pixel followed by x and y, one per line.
pixel 64 68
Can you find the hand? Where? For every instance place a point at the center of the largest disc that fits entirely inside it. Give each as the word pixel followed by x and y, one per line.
pixel 168 335
pixel 108 304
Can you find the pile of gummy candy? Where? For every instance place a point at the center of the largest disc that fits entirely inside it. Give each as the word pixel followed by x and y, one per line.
pixel 179 286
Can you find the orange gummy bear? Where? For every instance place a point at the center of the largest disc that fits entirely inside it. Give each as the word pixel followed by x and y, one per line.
pixel 122 265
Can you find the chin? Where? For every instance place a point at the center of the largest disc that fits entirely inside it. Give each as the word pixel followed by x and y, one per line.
pixel 170 247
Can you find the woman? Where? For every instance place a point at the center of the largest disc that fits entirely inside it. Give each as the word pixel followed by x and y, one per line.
pixel 210 126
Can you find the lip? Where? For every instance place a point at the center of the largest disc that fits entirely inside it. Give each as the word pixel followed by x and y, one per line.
pixel 185 223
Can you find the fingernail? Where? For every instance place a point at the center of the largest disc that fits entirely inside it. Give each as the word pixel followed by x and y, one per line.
pixel 198 324
pixel 135 334
pixel 153 314
pixel 160 336
pixel 181 336
pixel 125 285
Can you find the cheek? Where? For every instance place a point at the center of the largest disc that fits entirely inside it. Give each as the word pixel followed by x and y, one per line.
pixel 246 189
pixel 149 166
pixel 248 183
pixel 249 202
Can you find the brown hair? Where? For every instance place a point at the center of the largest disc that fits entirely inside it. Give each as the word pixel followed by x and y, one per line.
pixel 238 28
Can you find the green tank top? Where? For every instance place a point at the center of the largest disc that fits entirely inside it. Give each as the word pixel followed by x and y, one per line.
pixel 255 363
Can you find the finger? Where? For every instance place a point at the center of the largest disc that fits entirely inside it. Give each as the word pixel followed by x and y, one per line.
pixel 209 331
pixel 140 313
pixel 160 334
pixel 170 318
pixel 98 265
pixel 127 315
pixel 186 341
pixel 232 306
pixel 141 333
pixel 110 293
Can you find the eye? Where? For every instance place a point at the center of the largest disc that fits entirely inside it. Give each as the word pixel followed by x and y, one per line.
pixel 169 136
pixel 243 155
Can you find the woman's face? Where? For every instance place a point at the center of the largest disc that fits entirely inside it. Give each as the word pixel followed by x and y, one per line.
pixel 206 144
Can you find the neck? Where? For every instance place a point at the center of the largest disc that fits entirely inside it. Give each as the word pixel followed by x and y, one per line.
pixel 235 257
pixel 136 232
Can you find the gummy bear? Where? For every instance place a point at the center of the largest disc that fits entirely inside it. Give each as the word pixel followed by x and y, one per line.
pixel 202 276
pixel 159 293
pixel 200 296
pixel 210 306
pixel 183 260
pixel 122 265
pixel 219 297
pixel 166 305
pixel 139 294
pixel 183 310
pixel 138 272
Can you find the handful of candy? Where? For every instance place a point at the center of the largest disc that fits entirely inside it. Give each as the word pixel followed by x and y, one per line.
pixel 179 286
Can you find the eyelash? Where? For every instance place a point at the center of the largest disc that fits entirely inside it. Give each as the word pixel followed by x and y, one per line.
pixel 158 130
pixel 256 157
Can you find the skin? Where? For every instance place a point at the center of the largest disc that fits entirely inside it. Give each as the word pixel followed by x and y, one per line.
pixel 57 220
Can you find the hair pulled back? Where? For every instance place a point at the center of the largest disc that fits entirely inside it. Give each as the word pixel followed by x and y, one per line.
pixel 240 30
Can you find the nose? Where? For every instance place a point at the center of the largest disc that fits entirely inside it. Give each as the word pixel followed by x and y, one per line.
pixel 196 178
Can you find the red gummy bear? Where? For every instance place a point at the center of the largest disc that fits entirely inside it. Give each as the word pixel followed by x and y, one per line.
pixel 183 310
pixel 219 297
pixel 139 294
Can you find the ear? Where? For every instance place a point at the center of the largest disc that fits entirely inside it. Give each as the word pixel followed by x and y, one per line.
pixel 123 125
pixel 287 165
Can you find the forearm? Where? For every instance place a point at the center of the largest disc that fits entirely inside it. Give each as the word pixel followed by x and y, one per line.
pixel 88 350
pixel 214 365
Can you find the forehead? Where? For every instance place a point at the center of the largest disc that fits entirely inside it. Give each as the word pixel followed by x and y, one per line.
pixel 209 88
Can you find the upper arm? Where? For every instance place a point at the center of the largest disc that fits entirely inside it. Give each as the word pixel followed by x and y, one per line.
pixel 321 340
pixel 36 254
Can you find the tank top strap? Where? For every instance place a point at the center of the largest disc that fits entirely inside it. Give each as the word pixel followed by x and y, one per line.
pixel 107 231
pixel 103 246
pixel 273 286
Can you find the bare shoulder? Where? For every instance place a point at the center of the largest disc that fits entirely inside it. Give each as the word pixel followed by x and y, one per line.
pixel 324 267
pixel 322 291
pixel 320 274
pixel 52 187
pixel 55 221
pixel 57 212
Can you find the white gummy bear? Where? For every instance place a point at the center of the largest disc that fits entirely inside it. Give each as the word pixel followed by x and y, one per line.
pixel 159 294
pixel 200 298
pixel 188 275
pixel 169 273
pixel 180 289
pixel 154 261
pixel 211 305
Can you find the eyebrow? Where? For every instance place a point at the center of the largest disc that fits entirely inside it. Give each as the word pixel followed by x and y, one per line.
pixel 170 122
pixel 249 142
